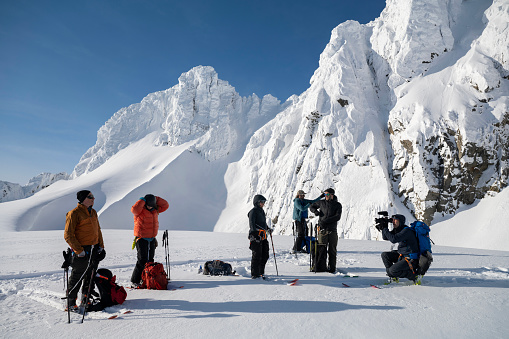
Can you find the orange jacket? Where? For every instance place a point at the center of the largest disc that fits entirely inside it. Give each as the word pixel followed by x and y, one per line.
pixel 82 228
pixel 146 223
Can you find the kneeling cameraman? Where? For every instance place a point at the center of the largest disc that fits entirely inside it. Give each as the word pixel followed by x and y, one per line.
pixel 400 263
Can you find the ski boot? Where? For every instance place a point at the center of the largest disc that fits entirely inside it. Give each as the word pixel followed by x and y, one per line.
pixel 418 280
pixel 392 280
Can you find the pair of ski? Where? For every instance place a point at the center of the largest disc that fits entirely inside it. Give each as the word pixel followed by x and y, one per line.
pixel 289 282
pixel 387 283
pixel 114 316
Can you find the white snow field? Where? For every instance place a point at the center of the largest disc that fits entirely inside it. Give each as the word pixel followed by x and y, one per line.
pixel 464 295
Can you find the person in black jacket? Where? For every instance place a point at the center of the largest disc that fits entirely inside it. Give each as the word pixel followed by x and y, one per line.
pixel 329 213
pixel 401 263
pixel 258 243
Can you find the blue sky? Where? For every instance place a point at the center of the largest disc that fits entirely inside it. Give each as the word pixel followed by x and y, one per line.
pixel 67 66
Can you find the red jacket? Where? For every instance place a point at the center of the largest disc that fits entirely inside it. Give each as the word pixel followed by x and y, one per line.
pixel 146 223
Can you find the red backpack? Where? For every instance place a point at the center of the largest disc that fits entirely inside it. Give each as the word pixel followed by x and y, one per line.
pixel 118 293
pixel 154 277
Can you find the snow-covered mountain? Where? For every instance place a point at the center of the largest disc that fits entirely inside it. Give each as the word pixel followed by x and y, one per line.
pixel 408 113
pixel 409 109
pixel 12 191
pixel 201 109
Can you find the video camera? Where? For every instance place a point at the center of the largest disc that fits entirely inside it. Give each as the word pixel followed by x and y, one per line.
pixel 382 222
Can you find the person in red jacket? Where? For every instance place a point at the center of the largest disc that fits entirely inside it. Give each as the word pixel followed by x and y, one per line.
pixel 146 225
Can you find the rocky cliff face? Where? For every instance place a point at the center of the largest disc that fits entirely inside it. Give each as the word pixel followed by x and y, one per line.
pixel 407 112
pixel 449 126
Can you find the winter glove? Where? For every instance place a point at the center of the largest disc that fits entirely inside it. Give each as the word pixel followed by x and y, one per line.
pixel 101 254
pixel 134 242
pixel 322 195
pixel 155 239
pixel 317 213
pixel 254 238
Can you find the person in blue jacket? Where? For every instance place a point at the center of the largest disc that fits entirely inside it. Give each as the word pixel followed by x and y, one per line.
pixel 400 263
pixel 300 214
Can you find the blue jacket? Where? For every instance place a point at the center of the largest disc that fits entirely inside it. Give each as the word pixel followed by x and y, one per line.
pixel 300 207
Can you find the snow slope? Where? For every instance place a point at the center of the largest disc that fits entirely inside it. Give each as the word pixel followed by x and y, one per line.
pixel 464 295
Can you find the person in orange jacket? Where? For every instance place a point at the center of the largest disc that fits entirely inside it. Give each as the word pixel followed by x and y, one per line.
pixel 146 225
pixel 84 236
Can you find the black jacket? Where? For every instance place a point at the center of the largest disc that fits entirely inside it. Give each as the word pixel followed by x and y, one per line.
pixel 257 219
pixel 329 212
pixel 406 238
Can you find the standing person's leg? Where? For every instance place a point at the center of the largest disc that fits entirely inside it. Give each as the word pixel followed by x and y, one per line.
pixel 299 235
pixel 323 240
pixel 264 256
pixel 152 250
pixel 142 247
pixel 79 266
pixel 332 250
pixel 256 256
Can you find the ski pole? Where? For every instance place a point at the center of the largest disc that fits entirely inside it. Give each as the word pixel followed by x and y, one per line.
pixel 294 240
pixel 274 252
pixel 316 246
pixel 67 295
pixel 166 252
pixel 310 247
pixel 65 266
pixel 90 282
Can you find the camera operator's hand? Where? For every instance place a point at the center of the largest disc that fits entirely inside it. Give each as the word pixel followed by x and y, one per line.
pixel 381 224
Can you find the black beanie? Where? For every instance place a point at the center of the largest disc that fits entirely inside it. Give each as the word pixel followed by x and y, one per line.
pixel 82 195
pixel 329 190
pixel 151 201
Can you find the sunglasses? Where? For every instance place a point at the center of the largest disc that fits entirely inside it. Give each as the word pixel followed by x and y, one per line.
pixel 327 194
pixel 90 197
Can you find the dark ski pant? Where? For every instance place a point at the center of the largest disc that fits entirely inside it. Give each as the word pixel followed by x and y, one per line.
pixel 146 251
pixel 260 251
pixel 80 275
pixel 397 267
pixel 301 231
pixel 328 245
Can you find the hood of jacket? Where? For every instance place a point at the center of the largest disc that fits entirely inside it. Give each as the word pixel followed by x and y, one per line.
pixel 257 198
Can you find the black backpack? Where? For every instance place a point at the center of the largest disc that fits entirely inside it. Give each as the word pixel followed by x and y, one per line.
pixel 109 293
pixel 217 267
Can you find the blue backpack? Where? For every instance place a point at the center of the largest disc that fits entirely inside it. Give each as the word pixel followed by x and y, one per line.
pixel 422 232
pixel 425 258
